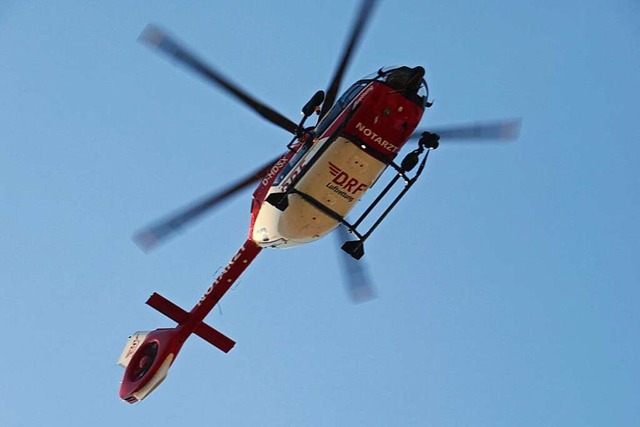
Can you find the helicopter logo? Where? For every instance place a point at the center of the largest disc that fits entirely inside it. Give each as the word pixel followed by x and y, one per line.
pixel 343 184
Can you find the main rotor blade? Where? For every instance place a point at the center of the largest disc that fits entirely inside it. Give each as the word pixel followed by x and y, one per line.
pixel 499 130
pixel 359 285
pixel 157 38
pixel 155 234
pixel 354 38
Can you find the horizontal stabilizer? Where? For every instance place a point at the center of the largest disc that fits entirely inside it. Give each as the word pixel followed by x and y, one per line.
pixel 180 316
pixel 214 337
pixel 167 308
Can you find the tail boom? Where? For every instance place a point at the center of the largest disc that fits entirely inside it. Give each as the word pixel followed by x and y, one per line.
pixel 147 362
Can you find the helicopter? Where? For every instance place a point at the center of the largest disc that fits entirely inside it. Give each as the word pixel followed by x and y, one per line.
pixel 305 193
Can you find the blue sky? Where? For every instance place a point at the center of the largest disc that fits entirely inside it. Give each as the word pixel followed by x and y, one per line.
pixel 507 278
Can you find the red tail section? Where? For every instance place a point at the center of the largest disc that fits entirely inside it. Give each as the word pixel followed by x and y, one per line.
pixel 149 355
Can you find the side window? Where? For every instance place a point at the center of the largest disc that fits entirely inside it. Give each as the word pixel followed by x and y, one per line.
pixel 351 93
pixel 337 108
pixel 294 161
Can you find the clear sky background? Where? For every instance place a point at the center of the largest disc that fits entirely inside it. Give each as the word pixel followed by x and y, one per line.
pixel 508 278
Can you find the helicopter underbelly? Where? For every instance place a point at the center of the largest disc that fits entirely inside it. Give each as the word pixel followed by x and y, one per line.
pixel 337 180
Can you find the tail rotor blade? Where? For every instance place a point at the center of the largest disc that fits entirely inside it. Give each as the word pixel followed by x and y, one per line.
pixel 354 38
pixel 157 233
pixel 157 38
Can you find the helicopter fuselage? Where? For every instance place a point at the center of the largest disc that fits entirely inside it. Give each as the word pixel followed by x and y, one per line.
pixel 334 165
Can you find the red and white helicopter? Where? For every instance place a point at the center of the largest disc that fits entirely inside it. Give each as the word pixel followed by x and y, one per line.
pixel 305 193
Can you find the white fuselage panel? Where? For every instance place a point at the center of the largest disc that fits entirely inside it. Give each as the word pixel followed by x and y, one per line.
pixel 337 180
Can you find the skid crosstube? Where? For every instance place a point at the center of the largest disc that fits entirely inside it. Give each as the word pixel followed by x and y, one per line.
pixel 180 316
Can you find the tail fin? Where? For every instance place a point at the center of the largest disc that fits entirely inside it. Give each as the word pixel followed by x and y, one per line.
pixel 130 348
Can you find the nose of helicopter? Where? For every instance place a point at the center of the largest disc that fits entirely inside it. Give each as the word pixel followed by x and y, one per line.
pixel 406 78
